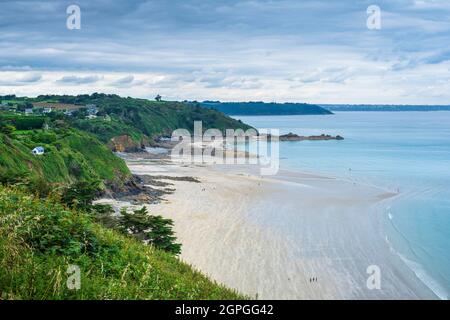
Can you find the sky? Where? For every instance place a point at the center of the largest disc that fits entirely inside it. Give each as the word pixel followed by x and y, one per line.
pixel 249 50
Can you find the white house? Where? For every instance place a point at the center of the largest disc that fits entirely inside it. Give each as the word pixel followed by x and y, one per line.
pixel 28 111
pixel 47 110
pixel 38 151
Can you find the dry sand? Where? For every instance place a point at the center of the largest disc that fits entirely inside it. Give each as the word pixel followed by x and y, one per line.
pixel 268 236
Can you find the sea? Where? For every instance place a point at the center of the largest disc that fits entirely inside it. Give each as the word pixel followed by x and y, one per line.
pixel 406 152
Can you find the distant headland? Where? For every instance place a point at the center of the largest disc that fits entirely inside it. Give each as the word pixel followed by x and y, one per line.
pixel 384 107
pixel 264 109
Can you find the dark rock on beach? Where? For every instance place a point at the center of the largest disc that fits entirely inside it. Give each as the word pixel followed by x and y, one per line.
pixel 140 189
pixel 135 191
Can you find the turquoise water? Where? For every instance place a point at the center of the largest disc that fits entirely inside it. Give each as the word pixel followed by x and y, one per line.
pixel 405 152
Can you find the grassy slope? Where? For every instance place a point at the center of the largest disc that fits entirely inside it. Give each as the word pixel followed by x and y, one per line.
pixel 70 155
pixel 141 117
pixel 104 130
pixel 39 239
pixel 77 155
pixel 119 267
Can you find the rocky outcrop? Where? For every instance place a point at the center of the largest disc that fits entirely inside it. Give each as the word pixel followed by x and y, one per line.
pixel 144 189
pixel 135 191
pixel 125 143
pixel 295 137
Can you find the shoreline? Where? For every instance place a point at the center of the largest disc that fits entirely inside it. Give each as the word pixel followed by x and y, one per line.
pixel 418 269
pixel 266 237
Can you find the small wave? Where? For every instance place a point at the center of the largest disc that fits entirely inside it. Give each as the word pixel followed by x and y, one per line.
pixel 421 273
pixel 389 213
pixel 416 267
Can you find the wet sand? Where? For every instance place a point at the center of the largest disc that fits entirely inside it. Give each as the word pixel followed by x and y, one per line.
pixel 268 237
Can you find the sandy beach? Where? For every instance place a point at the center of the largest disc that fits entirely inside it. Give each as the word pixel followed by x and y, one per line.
pixel 268 237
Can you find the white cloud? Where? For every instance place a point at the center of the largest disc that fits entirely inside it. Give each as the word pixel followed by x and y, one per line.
pixel 315 51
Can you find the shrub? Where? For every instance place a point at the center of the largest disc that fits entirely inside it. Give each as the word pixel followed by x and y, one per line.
pixel 40 187
pixel 44 137
pixel 7 129
pixel 81 194
pixel 102 213
pixel 153 230
pixel 46 226
pixel 9 177
pixel 28 122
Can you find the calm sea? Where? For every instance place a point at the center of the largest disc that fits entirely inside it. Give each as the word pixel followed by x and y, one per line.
pixel 406 152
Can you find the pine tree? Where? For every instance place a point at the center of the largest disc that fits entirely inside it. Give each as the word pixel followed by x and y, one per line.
pixel 153 230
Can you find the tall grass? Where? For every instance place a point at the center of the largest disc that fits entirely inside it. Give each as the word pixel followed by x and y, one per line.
pixel 39 239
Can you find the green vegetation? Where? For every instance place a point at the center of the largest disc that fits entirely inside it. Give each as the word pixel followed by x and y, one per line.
pixel 141 118
pixel 262 108
pixel 70 155
pixel 154 230
pixel 106 130
pixel 21 122
pixel 41 238
pixel 47 217
pixel 80 194
pixel 145 120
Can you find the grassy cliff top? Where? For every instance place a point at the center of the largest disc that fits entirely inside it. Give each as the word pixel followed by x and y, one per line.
pixel 41 238
pixel 70 155
pixel 137 117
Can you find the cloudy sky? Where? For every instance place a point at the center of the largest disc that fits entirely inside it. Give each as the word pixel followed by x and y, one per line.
pixel 271 50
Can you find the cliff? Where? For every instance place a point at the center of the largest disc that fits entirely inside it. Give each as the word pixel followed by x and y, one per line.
pixel 70 155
